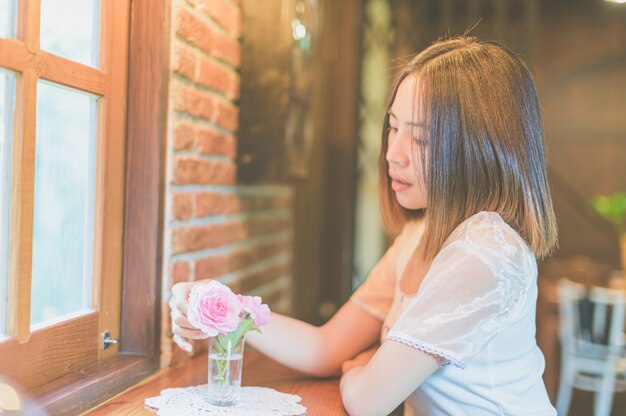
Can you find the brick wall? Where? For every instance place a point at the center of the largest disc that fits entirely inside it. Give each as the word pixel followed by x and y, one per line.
pixel 240 235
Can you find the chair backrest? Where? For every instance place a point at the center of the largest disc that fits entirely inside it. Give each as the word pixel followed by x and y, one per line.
pixel 570 295
pixel 596 318
pixel 611 304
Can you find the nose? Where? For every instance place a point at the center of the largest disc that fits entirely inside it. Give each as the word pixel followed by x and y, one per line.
pixel 398 150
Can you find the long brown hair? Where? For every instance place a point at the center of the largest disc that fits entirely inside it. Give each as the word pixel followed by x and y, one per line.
pixel 486 150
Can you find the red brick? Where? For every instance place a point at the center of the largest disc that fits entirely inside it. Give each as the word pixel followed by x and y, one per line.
pixel 233 90
pixel 212 236
pixel 235 286
pixel 206 37
pixel 243 258
pixel 212 267
pixel 218 77
pixel 258 203
pixel 271 250
pixel 254 203
pixel 226 48
pixel 214 142
pixel 191 101
pixel 204 105
pixel 210 203
pixel 255 280
pixel 183 136
pixel 191 28
pixel 180 272
pixel 277 296
pixel 189 170
pixel 227 115
pixel 182 206
pixel 183 61
pixel 225 13
pixel 256 227
pixel 234 204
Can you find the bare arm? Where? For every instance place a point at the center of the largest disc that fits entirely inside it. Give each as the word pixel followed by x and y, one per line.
pixel 317 350
pixel 392 374
pixel 314 350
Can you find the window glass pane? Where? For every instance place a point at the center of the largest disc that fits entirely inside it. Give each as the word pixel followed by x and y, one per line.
pixel 71 29
pixel 7 97
pixel 7 18
pixel 63 220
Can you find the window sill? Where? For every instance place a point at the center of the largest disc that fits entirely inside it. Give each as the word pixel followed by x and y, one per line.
pixel 81 391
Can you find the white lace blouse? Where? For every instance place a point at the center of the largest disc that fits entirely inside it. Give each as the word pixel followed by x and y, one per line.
pixel 475 311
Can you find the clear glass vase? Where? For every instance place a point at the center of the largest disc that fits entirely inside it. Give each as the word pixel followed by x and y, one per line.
pixel 225 364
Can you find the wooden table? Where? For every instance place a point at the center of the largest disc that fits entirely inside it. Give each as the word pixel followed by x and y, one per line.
pixel 319 396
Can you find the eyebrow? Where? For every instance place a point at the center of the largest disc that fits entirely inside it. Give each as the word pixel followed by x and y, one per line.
pixel 413 124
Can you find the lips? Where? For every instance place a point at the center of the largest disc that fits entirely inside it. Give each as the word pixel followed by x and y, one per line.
pixel 399 185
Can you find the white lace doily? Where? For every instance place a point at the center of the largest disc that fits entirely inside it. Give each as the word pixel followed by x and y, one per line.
pixel 258 401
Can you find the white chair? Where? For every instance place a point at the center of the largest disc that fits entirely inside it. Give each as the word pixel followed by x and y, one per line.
pixel 592 356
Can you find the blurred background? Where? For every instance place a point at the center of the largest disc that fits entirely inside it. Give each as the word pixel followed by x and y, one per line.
pixel 238 140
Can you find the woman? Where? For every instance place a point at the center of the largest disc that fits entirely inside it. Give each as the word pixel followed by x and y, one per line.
pixel 463 186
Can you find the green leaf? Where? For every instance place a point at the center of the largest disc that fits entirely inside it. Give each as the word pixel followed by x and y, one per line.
pixel 612 208
pixel 222 343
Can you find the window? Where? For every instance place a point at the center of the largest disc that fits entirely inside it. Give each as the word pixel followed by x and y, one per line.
pixel 63 206
pixel 7 19
pixel 63 82
pixel 7 98
pixel 81 169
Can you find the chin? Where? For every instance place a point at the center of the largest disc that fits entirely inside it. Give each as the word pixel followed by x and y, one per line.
pixel 411 204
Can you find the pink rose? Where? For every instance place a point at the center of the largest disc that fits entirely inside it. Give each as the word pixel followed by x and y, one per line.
pixel 259 312
pixel 213 308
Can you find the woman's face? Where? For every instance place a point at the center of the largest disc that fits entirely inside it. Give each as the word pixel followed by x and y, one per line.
pixel 405 143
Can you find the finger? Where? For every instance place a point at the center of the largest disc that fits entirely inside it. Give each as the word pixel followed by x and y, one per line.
pixel 188 333
pixel 182 321
pixel 178 304
pixel 180 292
pixel 184 345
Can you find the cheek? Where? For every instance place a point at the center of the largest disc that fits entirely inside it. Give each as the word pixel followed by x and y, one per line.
pixel 420 165
pixel 420 196
pixel 417 167
pixel 414 198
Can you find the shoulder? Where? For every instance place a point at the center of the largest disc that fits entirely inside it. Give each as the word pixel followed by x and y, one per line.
pixel 487 236
pixel 490 231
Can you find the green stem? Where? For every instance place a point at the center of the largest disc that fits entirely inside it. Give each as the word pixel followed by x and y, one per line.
pixel 221 346
pixel 224 349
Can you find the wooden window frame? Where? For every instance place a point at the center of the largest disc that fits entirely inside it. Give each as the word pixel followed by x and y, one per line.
pixel 71 343
pixel 139 351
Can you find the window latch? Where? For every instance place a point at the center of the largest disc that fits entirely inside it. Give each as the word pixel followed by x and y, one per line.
pixel 108 340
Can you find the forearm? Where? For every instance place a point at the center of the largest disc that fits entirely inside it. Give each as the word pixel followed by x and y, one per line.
pixel 318 350
pixel 393 373
pixel 296 344
pixel 314 350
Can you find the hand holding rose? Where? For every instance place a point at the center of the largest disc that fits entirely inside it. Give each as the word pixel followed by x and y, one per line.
pixel 201 310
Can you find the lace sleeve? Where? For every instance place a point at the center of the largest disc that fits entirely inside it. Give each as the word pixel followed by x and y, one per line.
pixel 476 285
